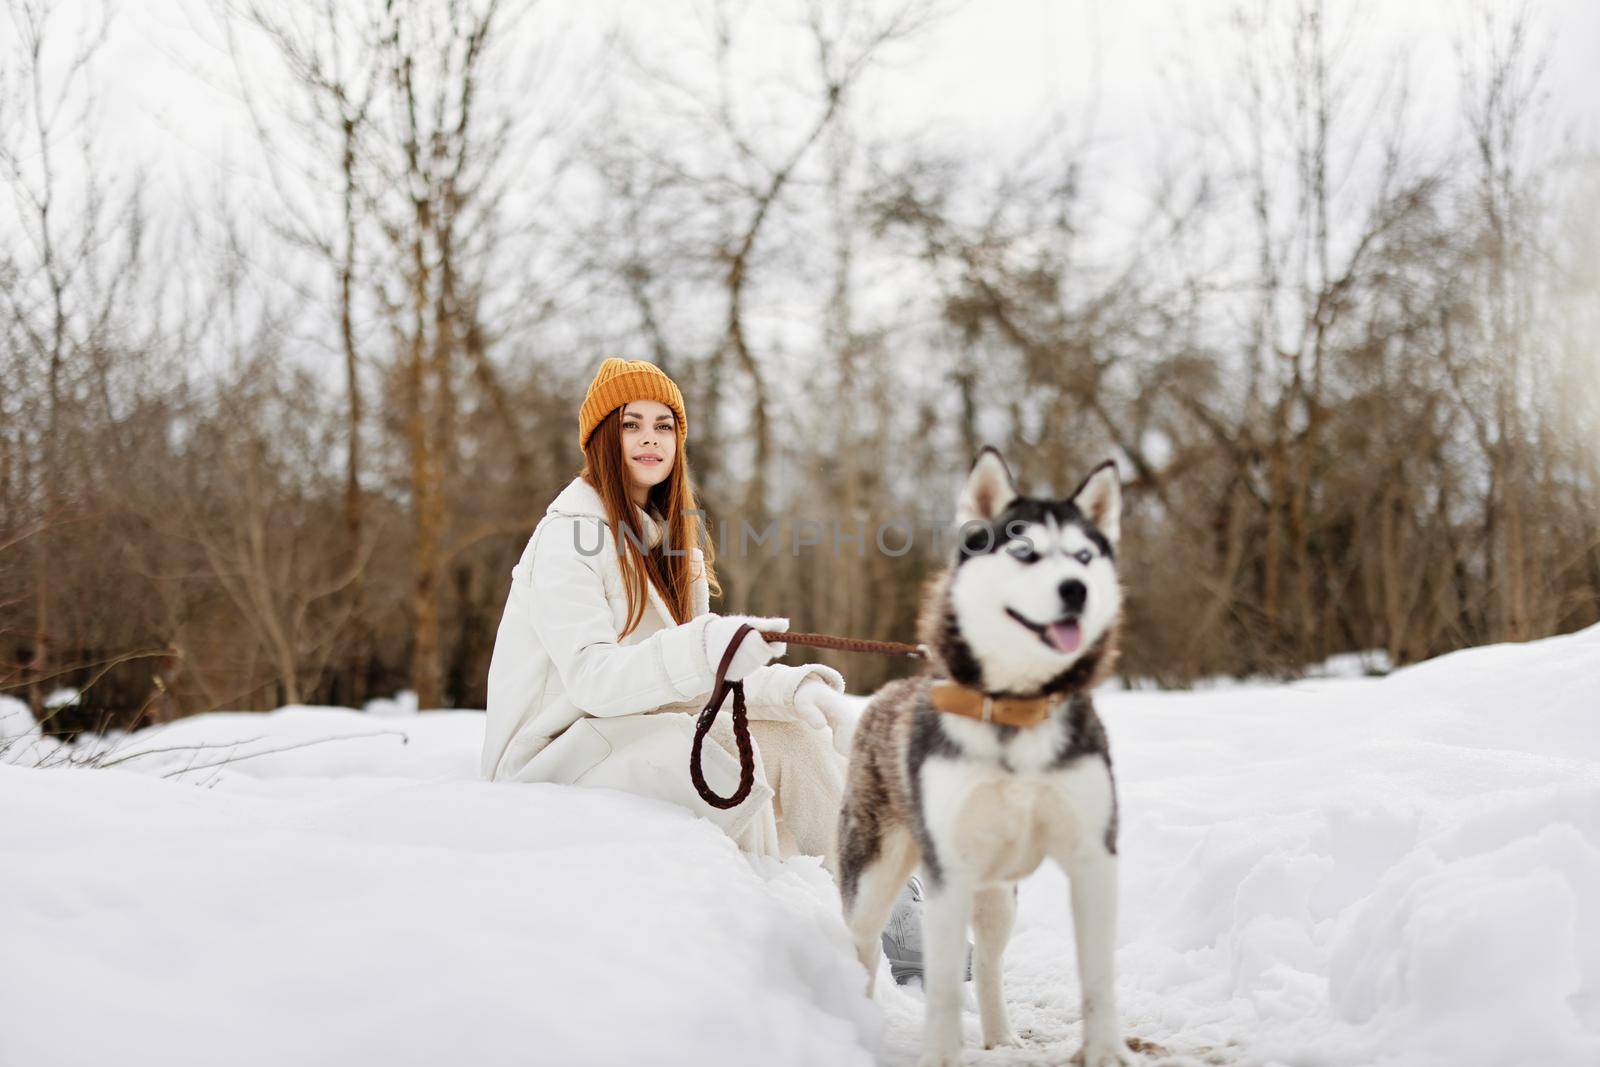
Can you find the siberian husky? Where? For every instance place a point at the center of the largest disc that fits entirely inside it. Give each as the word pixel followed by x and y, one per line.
pixel 994 758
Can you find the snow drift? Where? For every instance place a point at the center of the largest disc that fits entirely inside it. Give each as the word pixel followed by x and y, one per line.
pixel 1388 871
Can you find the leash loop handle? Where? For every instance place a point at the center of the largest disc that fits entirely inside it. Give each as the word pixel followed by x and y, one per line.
pixel 741 723
pixel 741 731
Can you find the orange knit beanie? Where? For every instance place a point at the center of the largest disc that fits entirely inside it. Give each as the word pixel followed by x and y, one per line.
pixel 620 381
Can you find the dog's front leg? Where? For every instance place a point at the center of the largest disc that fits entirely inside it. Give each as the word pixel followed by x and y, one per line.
pixel 1093 871
pixel 994 911
pixel 945 914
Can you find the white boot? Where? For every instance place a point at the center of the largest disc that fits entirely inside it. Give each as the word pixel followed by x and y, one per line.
pixel 902 935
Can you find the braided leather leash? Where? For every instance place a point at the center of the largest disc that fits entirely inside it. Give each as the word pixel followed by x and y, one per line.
pixel 848 644
pixel 741 722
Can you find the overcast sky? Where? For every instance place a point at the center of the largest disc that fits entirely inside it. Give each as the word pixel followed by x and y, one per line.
pixel 988 76
pixel 982 84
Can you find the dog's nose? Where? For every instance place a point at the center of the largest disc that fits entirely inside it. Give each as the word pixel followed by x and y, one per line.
pixel 1073 594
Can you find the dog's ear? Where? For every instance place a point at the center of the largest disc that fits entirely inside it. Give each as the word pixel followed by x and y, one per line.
pixel 1100 499
pixel 988 490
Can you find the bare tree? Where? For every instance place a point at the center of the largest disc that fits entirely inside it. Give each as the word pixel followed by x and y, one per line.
pixel 76 237
pixel 331 57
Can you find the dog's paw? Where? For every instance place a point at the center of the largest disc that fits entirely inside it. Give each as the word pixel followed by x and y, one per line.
pixel 948 1058
pixel 1009 1039
pixel 1105 1055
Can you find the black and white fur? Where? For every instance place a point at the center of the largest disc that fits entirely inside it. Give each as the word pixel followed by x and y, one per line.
pixel 979 805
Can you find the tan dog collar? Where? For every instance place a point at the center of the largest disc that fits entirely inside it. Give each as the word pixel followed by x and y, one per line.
pixel 957 699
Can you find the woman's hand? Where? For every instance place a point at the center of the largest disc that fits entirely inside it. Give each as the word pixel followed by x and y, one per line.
pixel 819 705
pixel 753 651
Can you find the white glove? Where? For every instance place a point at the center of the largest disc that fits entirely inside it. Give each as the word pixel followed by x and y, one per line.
pixel 753 650
pixel 820 705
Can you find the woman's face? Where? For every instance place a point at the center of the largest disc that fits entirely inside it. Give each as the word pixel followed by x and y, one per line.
pixel 649 443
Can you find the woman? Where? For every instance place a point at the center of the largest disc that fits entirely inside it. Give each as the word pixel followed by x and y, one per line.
pixel 608 648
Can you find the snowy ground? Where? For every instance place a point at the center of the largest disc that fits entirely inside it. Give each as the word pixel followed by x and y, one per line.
pixel 1356 871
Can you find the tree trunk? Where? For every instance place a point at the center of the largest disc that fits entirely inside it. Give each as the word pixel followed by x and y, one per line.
pixel 360 638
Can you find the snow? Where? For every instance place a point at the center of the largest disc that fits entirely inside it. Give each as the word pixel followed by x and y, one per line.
pixel 61 698
pixel 402 703
pixel 365 901
pixel 1401 873
pixel 16 721
pixel 1398 870
pixel 1370 663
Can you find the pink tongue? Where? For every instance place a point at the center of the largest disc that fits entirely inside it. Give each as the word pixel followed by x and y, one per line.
pixel 1065 636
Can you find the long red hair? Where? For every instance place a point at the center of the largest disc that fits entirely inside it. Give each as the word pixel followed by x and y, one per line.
pixel 671 502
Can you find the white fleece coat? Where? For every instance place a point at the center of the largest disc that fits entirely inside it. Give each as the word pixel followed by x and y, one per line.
pixel 570 702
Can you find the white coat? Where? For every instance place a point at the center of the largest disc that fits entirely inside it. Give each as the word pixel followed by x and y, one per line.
pixel 571 702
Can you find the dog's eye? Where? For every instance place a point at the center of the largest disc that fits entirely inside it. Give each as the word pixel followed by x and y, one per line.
pixel 1083 555
pixel 1023 551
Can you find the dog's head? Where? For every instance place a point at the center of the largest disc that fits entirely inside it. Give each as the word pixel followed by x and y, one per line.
pixel 1031 603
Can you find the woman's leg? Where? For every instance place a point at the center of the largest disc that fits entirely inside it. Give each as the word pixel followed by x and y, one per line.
pixel 807 777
